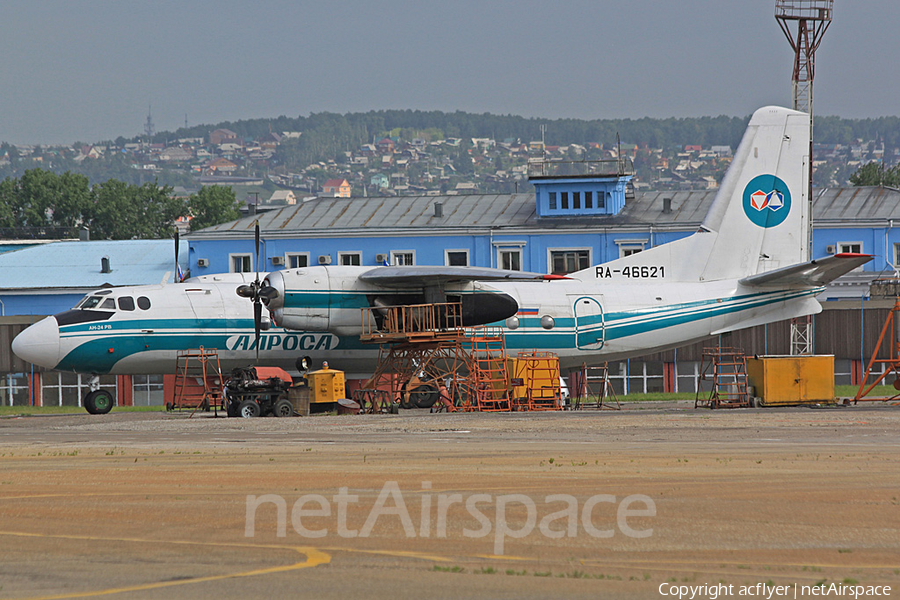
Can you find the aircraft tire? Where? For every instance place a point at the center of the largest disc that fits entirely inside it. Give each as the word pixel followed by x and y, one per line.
pixel 424 396
pixel 249 409
pixel 231 408
pixel 283 408
pixel 98 402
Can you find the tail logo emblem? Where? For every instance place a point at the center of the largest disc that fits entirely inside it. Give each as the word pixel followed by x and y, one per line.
pixel 767 201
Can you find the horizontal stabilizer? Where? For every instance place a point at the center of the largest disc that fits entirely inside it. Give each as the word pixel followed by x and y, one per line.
pixel 809 274
pixel 425 275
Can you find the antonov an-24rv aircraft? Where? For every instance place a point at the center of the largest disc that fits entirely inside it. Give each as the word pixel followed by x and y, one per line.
pixel 747 265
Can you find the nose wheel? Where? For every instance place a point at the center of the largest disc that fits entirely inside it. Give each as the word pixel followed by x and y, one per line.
pixel 98 402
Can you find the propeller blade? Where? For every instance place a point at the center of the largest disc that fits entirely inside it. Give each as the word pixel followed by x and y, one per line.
pixel 257 252
pixel 267 292
pixel 245 291
pixel 257 321
pixel 176 254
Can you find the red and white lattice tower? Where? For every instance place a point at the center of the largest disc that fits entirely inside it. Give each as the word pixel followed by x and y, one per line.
pixel 804 23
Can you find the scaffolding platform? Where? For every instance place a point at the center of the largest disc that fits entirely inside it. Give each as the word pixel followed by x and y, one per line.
pixel 412 322
pixel 427 359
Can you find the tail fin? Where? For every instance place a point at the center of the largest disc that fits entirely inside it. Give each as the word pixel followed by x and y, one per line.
pixel 759 219
pixel 761 213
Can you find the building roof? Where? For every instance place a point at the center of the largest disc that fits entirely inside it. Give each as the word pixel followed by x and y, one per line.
pixel 76 265
pixel 388 215
pixel 856 204
pixel 334 183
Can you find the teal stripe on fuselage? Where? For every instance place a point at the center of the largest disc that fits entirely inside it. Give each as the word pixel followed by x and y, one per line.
pixel 315 299
pixel 640 321
pixel 126 337
pixel 155 324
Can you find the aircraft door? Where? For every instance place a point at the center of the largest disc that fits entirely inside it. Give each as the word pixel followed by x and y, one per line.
pixel 590 326
pixel 207 308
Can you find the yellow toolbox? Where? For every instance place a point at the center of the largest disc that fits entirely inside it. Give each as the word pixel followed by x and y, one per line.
pixel 326 385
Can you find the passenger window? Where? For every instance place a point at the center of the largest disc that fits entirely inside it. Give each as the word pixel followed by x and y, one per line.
pixel 126 303
pixel 109 304
pixel 143 302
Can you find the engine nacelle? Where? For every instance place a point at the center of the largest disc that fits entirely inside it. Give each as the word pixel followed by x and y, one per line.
pixel 303 299
pixel 332 299
pixel 289 319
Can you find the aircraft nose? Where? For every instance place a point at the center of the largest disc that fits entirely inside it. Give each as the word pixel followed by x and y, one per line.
pixel 39 343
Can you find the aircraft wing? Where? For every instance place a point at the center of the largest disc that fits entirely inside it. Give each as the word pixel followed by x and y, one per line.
pixel 809 274
pixel 424 275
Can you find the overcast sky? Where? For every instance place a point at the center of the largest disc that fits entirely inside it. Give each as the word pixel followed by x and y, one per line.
pixel 87 71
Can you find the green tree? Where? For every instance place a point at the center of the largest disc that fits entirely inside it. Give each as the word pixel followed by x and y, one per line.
pixel 462 162
pixel 36 191
pixel 8 202
pixel 160 210
pixel 874 173
pixel 212 205
pixel 123 211
pixel 114 214
pixel 72 198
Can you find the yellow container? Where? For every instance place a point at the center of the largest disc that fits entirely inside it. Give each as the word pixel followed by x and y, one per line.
pixel 326 385
pixel 792 380
pixel 542 373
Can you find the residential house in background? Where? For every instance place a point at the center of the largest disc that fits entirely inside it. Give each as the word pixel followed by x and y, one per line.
pixel 176 154
pixel 221 166
pixel 283 197
pixel 380 180
pixel 337 188
pixel 220 136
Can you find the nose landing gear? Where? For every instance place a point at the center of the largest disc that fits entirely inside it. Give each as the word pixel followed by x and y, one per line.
pixel 98 402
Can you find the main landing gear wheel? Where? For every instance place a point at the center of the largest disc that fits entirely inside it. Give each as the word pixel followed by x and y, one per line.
pixel 424 396
pixel 99 402
pixel 249 409
pixel 283 408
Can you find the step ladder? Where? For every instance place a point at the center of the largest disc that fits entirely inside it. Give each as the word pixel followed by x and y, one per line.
pixel 199 383
pixel 488 370
pixel 726 369
pixel 593 388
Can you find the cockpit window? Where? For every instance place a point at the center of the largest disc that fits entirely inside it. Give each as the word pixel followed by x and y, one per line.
pixel 143 302
pixel 109 304
pixel 90 302
pixel 126 303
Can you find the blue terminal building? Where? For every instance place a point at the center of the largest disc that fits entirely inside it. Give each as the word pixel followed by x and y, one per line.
pixel 578 216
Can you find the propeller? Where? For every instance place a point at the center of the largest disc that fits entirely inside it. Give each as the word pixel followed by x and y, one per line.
pixel 257 292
